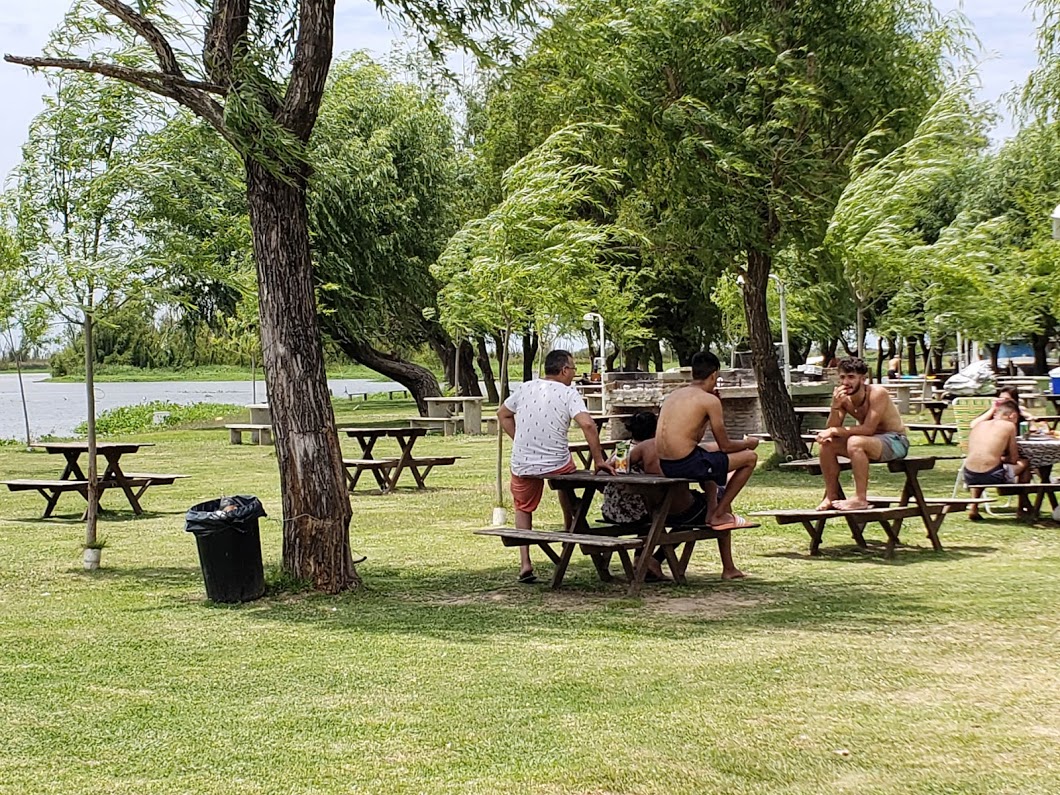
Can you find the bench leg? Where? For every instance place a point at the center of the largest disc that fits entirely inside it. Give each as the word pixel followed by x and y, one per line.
pixel 815 528
pixel 602 562
pixel 561 565
pixel 674 564
pixel 266 436
pixel 627 564
pixel 550 553
pixel 235 436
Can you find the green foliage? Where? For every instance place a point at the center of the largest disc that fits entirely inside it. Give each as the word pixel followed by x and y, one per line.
pixel 126 420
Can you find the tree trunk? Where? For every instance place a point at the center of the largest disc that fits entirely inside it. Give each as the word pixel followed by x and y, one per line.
pixel 501 341
pixel 828 350
pixel 655 350
pixel 487 371
pixel 316 504
pixel 926 352
pixel 846 347
pixel 861 332
pixel 1040 343
pixel 994 351
pixel 590 342
pixel 773 397
pixel 446 352
pixel 879 359
pixel 466 361
pixel 530 344
pixel 911 355
pixel 92 493
pixel 22 393
pixel 419 381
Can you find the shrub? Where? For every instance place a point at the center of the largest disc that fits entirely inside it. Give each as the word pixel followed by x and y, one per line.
pixel 140 418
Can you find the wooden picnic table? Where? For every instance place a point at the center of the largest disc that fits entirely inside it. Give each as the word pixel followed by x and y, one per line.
pixel 73 478
pixel 600 542
pixel 581 450
pixel 936 407
pixel 387 471
pixel 1054 399
pixel 468 407
pixel 889 512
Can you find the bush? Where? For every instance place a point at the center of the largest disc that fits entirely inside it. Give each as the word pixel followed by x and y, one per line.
pixel 140 418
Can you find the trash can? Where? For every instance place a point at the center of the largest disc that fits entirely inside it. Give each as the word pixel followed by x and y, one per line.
pixel 226 533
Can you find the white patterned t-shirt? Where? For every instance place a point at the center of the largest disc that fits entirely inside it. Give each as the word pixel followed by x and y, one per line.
pixel 543 410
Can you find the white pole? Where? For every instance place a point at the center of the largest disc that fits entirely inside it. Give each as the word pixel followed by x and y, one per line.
pixel 784 334
pixel 603 368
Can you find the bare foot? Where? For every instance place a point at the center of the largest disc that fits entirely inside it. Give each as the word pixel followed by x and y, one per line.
pixel 732 574
pixel 826 504
pixel 852 505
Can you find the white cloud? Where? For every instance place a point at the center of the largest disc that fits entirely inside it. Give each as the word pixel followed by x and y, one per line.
pixel 1004 26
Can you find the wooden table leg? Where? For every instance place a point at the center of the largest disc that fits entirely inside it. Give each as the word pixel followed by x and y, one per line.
pixel 658 526
pixel 114 473
pixel 931 523
pixel 578 525
pixel 406 441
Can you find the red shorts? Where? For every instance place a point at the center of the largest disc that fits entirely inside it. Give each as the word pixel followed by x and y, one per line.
pixel 527 491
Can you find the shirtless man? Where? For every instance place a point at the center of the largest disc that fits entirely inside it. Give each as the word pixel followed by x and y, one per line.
pixel 879 435
pixel 993 457
pixel 683 419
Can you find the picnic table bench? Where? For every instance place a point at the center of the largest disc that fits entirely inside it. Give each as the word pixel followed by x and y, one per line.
pixel 581 450
pixel 387 471
pixel 934 407
pixel 602 541
pixel 910 503
pixel 259 433
pixel 73 479
pixel 933 431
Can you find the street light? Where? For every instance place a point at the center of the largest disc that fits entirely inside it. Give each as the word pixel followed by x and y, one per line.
pixel 783 325
pixel 589 318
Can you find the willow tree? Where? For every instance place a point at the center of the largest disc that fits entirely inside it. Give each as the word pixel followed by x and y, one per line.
pixel 536 259
pixel 257 74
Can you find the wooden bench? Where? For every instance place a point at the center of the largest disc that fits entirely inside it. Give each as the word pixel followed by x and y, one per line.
pixel 447 425
pixel 814 521
pixel 609 539
pixel 51 490
pixel 259 434
pixel 381 467
pixel 932 431
pixel 1030 497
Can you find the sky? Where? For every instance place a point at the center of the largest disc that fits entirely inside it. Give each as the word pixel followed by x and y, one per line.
pixel 1005 29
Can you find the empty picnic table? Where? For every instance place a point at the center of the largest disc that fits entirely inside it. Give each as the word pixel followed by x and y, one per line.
pixel 73 478
pixel 802 412
pixel 387 471
pixel 936 407
pixel 889 512
pixel 468 408
pixel 600 542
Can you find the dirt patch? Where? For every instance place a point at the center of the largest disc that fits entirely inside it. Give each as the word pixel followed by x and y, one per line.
pixel 707 605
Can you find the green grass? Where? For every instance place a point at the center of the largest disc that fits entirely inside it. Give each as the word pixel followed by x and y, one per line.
pixel 931 673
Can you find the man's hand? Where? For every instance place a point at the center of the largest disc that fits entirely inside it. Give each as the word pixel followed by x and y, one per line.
pixel 751 441
pixel 827 434
pixel 605 466
pixel 840 398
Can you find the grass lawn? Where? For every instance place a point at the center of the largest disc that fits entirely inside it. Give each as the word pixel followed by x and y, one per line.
pixel 932 673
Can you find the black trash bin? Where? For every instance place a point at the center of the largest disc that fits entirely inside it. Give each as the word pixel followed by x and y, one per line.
pixel 226 533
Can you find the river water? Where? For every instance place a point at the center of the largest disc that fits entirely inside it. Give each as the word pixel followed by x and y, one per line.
pixel 58 408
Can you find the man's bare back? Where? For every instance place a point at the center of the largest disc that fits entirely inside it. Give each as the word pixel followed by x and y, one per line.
pixel 990 443
pixel 683 420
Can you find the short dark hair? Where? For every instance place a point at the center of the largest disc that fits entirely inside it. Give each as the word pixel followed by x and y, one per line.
pixel 704 365
pixel 853 364
pixel 1012 392
pixel 642 425
pixel 556 360
pixel 1009 406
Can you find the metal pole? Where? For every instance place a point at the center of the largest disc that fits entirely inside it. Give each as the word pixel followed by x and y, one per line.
pixel 784 329
pixel 603 368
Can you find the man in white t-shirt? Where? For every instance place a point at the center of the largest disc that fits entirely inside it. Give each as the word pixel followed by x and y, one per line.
pixel 537 418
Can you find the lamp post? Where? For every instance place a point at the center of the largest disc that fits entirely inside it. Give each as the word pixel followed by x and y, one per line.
pixel 589 318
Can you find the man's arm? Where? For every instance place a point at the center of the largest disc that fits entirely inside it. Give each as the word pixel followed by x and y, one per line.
pixel 877 403
pixel 592 436
pixel 717 427
pixel 506 417
pixel 839 408
pixel 1012 454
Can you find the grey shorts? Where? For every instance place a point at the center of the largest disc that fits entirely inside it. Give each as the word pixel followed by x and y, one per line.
pixel 895 445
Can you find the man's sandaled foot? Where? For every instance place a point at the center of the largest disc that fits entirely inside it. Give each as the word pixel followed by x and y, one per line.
pixel 735 522
pixel 826 504
pixel 851 505
pixel 527 577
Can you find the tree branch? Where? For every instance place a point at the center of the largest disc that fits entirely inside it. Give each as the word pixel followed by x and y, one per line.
pixel 309 68
pixel 228 25
pixel 146 28
pixel 190 93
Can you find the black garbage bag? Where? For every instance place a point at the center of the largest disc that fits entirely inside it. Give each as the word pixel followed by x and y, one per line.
pixel 226 534
pixel 239 513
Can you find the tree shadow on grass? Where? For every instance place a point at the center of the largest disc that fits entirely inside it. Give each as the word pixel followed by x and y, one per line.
pixel 905 554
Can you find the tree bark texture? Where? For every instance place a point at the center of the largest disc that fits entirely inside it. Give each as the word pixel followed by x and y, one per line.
pixel 316 505
pixel 500 341
pixel 530 345
pixel 773 398
pixel 486 367
pixel 446 352
pixel 911 356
